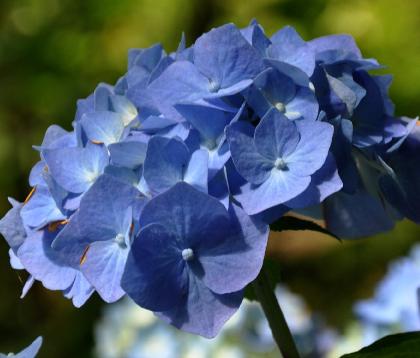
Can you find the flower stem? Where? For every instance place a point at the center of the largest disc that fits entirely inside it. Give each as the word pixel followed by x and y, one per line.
pixel 279 328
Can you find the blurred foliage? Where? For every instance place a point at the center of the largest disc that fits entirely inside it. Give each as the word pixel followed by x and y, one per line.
pixel 53 52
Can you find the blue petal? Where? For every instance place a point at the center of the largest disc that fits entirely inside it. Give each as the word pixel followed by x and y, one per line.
pixel 76 169
pixel 11 227
pixel 277 87
pixel 226 58
pixel 235 261
pixel 101 96
pixel 104 267
pixel 298 76
pixel 41 209
pixel 303 106
pixel 180 82
pixel 218 188
pixel 105 210
pixel 32 350
pixel 324 182
pixel 279 187
pixel 276 136
pixel 196 172
pixel 155 276
pixel 209 121
pixel 204 312
pixel 45 264
pixel 56 137
pixel 287 46
pixel 355 216
pixel 128 154
pixel 176 210
pixel 248 161
pixel 312 150
pixel 14 261
pixel 344 43
pixel 80 291
pixel 165 163
pixel 103 127
pixel 36 175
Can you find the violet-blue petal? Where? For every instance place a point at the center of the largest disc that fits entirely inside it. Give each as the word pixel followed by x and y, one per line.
pixel 249 162
pixel 204 311
pixel 180 82
pixel 76 169
pixel 165 162
pixel 104 266
pixel 344 43
pixel 128 154
pixel 312 150
pixel 45 264
pixel 177 211
pixel 31 351
pixel 324 182
pixel 12 228
pixel 276 136
pixel 80 291
pixel 41 209
pixel 234 262
pixel 155 276
pixel 208 120
pixel 277 189
pixel 288 46
pixel 104 209
pixel 356 215
pixel 103 127
pixel 303 106
pixel 225 57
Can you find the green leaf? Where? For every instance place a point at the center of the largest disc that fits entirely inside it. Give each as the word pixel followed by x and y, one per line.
pixel 296 224
pixel 404 345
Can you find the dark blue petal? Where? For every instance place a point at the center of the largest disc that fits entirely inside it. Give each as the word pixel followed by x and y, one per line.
pixel 204 312
pixel 155 276
pixel 176 210
pixel 356 215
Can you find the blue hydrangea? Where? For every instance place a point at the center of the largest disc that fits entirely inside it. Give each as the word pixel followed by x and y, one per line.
pixel 211 142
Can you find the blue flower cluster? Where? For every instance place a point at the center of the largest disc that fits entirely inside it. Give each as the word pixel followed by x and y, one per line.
pixel 165 188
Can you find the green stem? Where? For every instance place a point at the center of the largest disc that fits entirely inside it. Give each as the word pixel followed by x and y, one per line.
pixel 275 316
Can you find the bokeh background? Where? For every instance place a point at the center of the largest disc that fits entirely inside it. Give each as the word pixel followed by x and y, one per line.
pixel 53 52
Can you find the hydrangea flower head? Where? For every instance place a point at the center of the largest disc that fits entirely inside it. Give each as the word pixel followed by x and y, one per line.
pixel 166 184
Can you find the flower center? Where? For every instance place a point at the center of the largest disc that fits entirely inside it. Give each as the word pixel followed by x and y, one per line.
pixel 187 254
pixel 280 107
pixel 214 86
pixel 280 164
pixel 120 240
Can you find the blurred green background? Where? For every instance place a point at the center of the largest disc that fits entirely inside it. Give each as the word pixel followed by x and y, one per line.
pixel 53 52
